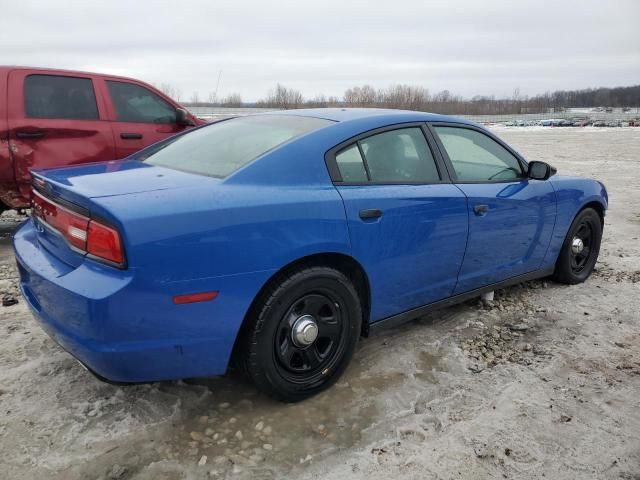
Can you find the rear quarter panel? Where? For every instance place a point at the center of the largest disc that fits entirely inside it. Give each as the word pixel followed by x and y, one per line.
pixel 227 230
pixel 572 194
pixel 231 239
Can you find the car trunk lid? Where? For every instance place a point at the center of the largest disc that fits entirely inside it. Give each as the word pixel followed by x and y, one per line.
pixel 65 197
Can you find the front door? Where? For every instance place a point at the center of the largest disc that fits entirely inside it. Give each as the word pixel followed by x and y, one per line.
pixel 408 227
pixel 510 216
pixel 140 117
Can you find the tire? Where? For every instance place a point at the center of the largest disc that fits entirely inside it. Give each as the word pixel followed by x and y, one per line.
pixel 286 366
pixel 572 267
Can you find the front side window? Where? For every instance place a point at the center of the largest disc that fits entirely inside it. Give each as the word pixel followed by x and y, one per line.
pixel 395 156
pixel 476 157
pixel 137 104
pixel 220 149
pixel 56 96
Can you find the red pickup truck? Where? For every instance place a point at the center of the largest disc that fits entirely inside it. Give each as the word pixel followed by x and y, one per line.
pixel 50 118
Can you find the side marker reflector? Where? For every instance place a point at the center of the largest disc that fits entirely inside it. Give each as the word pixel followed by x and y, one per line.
pixel 195 297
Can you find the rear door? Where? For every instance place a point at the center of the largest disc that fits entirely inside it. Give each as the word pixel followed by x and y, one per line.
pixel 408 225
pixel 139 116
pixel 55 119
pixel 511 217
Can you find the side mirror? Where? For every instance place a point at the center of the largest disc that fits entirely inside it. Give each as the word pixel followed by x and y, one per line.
pixel 182 118
pixel 540 170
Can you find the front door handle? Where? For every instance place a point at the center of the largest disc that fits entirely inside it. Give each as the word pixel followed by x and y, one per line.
pixel 30 135
pixel 131 136
pixel 370 213
pixel 480 209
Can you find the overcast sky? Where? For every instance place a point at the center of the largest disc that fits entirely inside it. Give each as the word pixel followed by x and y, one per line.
pixel 469 47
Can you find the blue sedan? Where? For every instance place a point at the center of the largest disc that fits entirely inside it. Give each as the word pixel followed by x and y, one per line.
pixel 278 239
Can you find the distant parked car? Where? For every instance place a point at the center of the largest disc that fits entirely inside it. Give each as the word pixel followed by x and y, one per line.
pixel 281 238
pixel 53 118
pixel 599 123
pixel 580 122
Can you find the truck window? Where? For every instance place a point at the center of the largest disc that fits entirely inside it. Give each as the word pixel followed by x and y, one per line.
pixel 134 103
pixel 54 96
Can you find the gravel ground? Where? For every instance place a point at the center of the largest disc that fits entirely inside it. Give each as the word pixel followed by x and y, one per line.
pixel 542 382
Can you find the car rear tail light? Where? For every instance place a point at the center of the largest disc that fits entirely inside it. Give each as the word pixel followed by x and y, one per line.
pixel 82 233
pixel 104 242
pixel 71 225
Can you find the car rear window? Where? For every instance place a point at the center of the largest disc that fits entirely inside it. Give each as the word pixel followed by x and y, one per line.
pixel 222 148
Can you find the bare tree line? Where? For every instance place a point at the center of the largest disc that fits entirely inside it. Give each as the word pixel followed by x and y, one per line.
pixel 233 100
pixel 411 97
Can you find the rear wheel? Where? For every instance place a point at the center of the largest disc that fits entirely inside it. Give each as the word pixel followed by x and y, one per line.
pixel 580 249
pixel 302 333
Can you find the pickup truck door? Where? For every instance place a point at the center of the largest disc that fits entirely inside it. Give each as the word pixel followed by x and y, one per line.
pixel 407 223
pixel 511 217
pixel 54 119
pixel 139 116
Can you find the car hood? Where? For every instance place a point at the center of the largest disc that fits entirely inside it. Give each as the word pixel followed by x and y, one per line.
pixel 107 179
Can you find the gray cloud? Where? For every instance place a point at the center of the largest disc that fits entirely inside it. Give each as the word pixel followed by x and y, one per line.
pixel 468 47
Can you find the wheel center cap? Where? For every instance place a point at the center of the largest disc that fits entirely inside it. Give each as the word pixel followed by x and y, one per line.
pixel 304 331
pixel 577 245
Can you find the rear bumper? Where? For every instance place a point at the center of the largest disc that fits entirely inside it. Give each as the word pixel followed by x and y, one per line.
pixel 126 328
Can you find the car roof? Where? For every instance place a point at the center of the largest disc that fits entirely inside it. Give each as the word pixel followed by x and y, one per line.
pixel 4 69
pixel 384 115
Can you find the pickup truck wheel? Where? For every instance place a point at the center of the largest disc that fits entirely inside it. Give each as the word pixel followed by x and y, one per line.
pixel 303 334
pixel 580 250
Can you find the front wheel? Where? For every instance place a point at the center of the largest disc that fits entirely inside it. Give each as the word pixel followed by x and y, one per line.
pixel 302 333
pixel 580 249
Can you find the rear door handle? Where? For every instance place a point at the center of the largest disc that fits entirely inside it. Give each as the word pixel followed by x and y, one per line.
pixel 131 136
pixel 480 209
pixel 31 135
pixel 370 213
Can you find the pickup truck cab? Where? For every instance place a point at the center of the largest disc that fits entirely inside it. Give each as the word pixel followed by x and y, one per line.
pixel 51 118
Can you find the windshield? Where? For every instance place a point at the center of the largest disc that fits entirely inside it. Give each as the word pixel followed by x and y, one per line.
pixel 222 148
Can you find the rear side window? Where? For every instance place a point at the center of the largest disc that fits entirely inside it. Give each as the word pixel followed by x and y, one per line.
pixel 54 96
pixel 476 157
pixel 351 165
pixel 137 104
pixel 395 156
pixel 222 148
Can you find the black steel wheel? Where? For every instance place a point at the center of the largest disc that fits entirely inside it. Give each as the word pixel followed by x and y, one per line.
pixel 580 249
pixel 302 333
pixel 309 336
